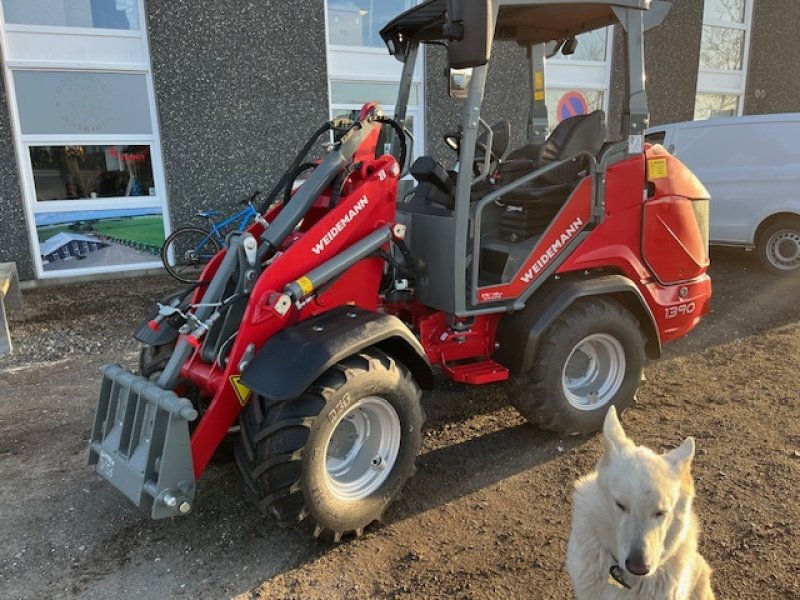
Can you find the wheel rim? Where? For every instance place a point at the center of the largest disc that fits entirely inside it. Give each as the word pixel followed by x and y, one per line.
pixel 363 449
pixel 783 249
pixel 594 372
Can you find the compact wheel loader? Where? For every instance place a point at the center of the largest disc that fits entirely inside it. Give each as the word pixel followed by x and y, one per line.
pixel 557 267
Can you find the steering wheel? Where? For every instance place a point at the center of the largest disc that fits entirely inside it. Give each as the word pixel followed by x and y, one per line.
pixel 453 139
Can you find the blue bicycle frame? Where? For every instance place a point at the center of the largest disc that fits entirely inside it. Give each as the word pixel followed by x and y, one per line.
pixel 244 217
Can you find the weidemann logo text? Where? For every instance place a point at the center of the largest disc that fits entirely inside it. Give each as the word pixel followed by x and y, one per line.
pixel 555 248
pixel 340 225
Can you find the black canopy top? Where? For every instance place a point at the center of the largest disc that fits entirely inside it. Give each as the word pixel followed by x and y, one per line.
pixel 533 21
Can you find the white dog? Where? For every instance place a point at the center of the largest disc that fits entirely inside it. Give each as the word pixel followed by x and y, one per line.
pixel 634 534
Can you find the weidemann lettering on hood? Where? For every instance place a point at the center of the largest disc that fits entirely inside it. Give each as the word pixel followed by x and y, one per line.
pixel 553 251
pixel 340 225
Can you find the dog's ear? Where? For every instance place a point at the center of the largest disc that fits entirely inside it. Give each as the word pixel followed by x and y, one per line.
pixel 682 456
pixel 614 436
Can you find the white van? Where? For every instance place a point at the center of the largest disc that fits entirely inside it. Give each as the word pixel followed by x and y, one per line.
pixel 751 167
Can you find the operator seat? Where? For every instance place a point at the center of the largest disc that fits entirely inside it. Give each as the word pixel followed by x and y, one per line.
pixel 531 207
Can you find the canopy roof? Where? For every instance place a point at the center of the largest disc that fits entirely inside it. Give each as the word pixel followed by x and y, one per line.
pixel 533 21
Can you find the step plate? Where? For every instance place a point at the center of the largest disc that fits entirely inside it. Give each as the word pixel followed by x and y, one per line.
pixel 476 373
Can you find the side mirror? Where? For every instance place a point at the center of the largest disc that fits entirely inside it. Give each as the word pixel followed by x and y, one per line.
pixel 569 47
pixel 458 82
pixel 469 29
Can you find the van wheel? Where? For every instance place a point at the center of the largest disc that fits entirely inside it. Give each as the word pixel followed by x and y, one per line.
pixel 779 246
pixel 340 452
pixel 589 359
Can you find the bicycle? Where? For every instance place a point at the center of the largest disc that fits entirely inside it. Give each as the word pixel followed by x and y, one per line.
pixel 191 248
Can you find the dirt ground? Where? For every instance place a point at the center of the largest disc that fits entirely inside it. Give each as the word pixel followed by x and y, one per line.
pixel 486 516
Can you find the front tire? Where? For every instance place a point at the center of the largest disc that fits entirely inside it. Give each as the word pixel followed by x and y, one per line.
pixel 779 246
pixel 186 253
pixel 339 453
pixel 590 359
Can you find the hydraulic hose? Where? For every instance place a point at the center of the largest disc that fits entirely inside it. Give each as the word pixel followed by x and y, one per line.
pixel 401 136
pixel 296 163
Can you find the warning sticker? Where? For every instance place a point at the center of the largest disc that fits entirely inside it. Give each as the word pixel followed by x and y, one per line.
pixel 538 80
pixel 657 168
pixel 306 285
pixel 538 96
pixel 241 390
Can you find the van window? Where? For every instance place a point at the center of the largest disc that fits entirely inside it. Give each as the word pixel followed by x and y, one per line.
pixel 656 137
pixel 746 145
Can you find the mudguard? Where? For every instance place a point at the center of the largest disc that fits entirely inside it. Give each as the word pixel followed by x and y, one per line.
pixel 166 334
pixel 517 350
pixel 290 361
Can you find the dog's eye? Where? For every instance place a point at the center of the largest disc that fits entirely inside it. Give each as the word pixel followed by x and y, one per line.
pixel 621 507
pixel 659 513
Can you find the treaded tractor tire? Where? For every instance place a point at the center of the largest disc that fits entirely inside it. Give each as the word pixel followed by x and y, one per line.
pixel 777 246
pixel 601 328
pixel 283 450
pixel 153 359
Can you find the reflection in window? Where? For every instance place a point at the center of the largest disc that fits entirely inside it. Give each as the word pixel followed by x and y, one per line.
pixel 724 10
pixel 591 47
pixel 716 106
pixel 73 172
pixel 722 48
pixel 98 14
pixel 358 22
pixel 354 92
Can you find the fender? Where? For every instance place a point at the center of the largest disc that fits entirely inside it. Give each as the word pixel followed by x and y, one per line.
pixel 517 352
pixel 290 361
pixel 166 334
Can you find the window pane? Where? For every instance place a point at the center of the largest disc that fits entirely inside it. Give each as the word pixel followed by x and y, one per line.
pixel 563 104
pixel 591 46
pixel 724 10
pixel 53 102
pixel 99 238
pixel 715 106
pixel 358 22
pixel 722 48
pixel 385 94
pixel 75 172
pixel 100 14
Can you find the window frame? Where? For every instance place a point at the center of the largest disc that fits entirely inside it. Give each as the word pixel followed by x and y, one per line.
pixel 723 81
pixel 23 142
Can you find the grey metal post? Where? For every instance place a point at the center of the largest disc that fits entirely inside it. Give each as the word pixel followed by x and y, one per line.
pixel 538 123
pixel 636 116
pixel 469 137
pixel 403 94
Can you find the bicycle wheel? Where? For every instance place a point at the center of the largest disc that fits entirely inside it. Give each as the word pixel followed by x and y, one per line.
pixel 186 253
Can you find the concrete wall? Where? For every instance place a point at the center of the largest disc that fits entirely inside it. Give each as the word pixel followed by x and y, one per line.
pixel 14 245
pixel 671 60
pixel 773 85
pixel 506 97
pixel 240 86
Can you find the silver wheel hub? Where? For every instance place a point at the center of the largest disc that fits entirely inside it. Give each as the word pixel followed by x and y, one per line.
pixel 783 249
pixel 594 372
pixel 362 449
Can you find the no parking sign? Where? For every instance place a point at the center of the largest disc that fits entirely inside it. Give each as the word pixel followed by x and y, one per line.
pixel 571 105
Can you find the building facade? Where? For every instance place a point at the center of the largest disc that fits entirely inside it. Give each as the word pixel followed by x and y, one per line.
pixel 120 119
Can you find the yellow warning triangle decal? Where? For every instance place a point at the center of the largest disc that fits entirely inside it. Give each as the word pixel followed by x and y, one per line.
pixel 241 390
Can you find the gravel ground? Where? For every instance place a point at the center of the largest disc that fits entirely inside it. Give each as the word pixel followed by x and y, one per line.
pixel 487 515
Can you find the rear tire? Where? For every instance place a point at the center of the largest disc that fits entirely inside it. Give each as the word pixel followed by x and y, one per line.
pixel 192 249
pixel 589 359
pixel 340 452
pixel 779 247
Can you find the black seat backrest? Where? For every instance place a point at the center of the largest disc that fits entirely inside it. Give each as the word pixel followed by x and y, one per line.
pixel 501 138
pixel 583 133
